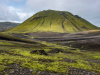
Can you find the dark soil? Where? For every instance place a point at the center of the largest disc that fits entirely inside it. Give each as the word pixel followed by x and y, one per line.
pixel 45 34
pixel 82 40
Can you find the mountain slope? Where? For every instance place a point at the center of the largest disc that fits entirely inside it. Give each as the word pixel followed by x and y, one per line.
pixel 7 25
pixel 53 21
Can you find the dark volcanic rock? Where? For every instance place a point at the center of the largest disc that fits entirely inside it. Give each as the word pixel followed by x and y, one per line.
pixel 56 50
pixel 40 52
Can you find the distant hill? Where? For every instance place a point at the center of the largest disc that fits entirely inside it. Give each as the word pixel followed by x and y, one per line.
pixel 54 21
pixel 7 25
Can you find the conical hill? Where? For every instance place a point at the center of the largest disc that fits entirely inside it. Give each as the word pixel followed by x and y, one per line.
pixel 53 21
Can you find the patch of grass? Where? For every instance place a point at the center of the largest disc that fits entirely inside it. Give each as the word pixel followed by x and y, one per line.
pixel 5 43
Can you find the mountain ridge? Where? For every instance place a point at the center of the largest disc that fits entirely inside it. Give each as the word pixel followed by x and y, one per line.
pixel 7 25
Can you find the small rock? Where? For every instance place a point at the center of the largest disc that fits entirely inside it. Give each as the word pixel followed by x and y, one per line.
pixel 21 73
pixel 31 70
pixel 70 60
pixel 38 72
pixel 12 71
pixel 41 52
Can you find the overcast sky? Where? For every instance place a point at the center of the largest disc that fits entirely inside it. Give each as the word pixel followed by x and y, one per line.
pixel 20 10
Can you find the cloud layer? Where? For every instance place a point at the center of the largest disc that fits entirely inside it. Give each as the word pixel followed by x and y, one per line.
pixel 7 14
pixel 23 9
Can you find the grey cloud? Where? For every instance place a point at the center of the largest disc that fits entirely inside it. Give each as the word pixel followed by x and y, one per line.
pixel 8 15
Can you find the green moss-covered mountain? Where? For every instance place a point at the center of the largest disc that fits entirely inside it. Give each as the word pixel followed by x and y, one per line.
pixel 53 21
pixel 7 25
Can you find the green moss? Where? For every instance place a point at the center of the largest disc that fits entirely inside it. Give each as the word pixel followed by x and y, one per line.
pixel 54 62
pixel 5 43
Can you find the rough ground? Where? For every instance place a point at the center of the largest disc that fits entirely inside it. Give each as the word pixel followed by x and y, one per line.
pixel 88 42
pixel 16 69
